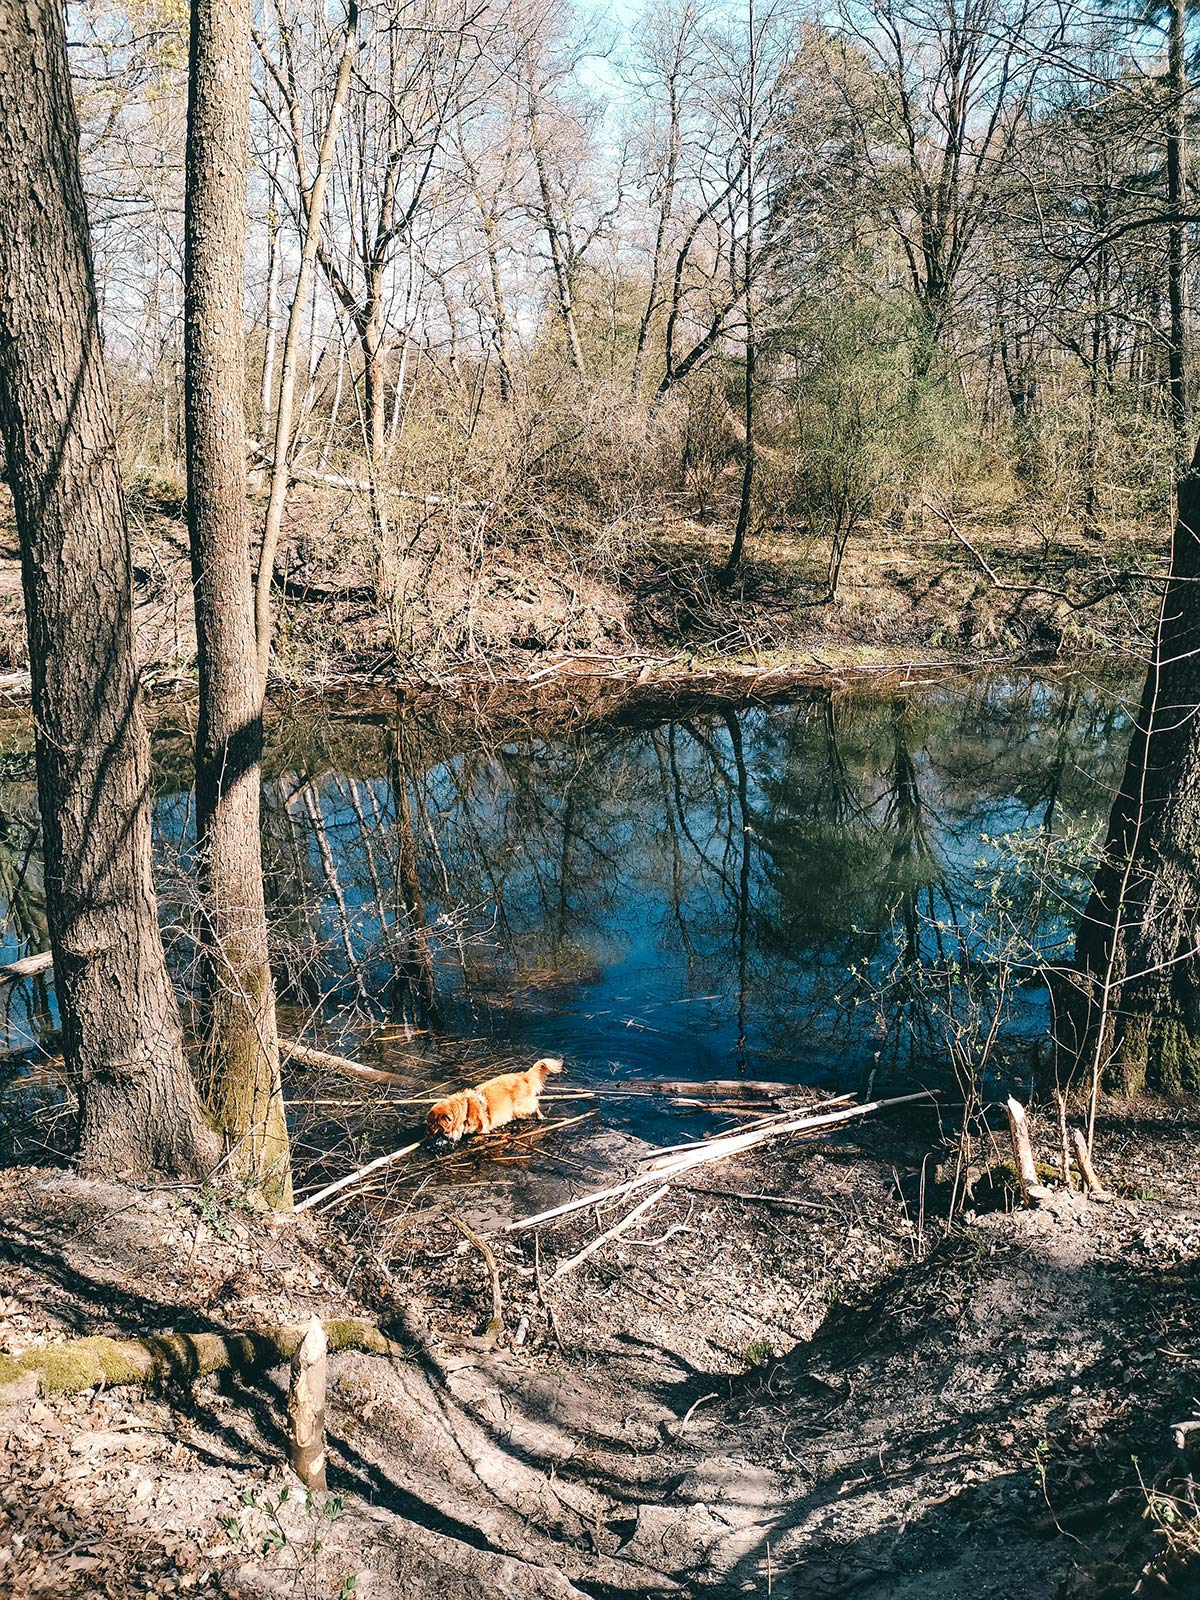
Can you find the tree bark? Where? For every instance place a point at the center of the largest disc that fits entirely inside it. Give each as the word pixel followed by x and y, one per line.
pixel 139 1111
pixel 239 1023
pixel 1133 1016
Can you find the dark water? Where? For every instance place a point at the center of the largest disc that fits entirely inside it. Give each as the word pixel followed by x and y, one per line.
pixel 772 890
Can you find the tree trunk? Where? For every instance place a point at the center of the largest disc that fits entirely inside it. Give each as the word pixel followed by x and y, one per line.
pixel 558 259
pixel 1177 232
pixel 1134 1017
pixel 748 460
pixel 139 1112
pixel 240 1034
pixel 281 450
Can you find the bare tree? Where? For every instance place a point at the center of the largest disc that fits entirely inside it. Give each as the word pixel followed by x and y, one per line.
pixel 139 1112
pixel 240 1028
pixel 313 205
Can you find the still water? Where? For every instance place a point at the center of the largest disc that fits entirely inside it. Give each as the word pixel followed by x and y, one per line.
pixel 692 894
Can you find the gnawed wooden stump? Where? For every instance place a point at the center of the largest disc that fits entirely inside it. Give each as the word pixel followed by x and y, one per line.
pixel 1018 1126
pixel 306 1408
pixel 1083 1160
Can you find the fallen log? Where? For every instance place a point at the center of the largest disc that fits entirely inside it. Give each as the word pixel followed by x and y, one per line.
pixel 155 1359
pixel 321 1060
pixel 712 1150
pixel 28 967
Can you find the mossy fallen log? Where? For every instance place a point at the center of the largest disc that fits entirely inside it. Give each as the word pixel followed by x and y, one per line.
pixel 156 1360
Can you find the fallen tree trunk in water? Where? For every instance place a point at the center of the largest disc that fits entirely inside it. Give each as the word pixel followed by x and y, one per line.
pixel 156 1359
pixel 321 1060
pixel 28 967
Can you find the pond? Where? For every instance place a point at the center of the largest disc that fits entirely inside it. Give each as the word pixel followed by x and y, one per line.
pixel 693 893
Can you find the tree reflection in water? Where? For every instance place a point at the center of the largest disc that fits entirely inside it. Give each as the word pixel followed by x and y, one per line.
pixel 681 894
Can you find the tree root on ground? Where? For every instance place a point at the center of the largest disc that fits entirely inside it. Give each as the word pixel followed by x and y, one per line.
pixel 154 1360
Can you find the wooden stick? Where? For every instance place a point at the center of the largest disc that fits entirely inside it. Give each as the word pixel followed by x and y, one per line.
pixel 355 1177
pixel 27 966
pixel 759 1123
pixel 713 1150
pixel 303 1055
pixel 306 1408
pixel 572 1262
pixel 1064 1142
pixel 1083 1160
pixel 496 1325
pixel 1018 1127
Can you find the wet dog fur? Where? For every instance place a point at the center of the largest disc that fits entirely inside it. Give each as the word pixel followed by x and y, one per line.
pixel 492 1104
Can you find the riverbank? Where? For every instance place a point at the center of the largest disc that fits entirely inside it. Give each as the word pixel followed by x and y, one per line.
pixel 640 603
pixel 791 1376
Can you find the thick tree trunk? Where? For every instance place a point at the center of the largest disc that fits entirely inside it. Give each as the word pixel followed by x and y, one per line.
pixel 121 1035
pixel 1134 1018
pixel 240 999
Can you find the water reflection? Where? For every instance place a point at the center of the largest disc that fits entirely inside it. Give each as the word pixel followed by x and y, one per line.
pixel 676 896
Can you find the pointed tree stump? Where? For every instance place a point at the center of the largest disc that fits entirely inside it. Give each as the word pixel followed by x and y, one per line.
pixel 1018 1126
pixel 306 1408
pixel 1083 1160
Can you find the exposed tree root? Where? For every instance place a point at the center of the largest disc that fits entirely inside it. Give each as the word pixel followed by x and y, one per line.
pixel 157 1359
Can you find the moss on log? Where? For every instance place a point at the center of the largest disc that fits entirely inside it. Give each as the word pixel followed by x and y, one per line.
pixel 154 1360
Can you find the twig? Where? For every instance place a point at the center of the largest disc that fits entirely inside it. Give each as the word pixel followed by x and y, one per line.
pixel 1028 588
pixel 544 1297
pixel 695 1406
pixel 760 1199
pixel 609 1233
pixel 1064 1139
pixel 496 1325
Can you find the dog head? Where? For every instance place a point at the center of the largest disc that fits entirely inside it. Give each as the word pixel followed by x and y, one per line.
pixel 461 1113
pixel 448 1119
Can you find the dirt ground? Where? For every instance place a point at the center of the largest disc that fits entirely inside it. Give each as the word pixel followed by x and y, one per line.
pixel 791 1376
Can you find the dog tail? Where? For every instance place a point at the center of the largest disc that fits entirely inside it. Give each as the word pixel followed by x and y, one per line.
pixel 546 1066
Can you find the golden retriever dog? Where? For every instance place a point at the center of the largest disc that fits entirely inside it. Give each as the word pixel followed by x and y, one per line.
pixel 492 1104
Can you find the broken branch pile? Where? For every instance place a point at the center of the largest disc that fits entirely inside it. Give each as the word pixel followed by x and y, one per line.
pixel 714 1149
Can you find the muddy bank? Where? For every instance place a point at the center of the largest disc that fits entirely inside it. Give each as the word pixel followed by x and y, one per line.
pixel 635 602
pixel 791 1376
